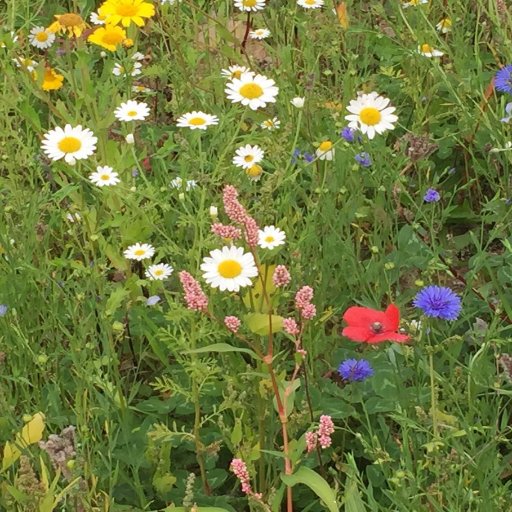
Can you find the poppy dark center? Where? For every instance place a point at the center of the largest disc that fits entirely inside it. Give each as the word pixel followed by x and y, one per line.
pixel 376 327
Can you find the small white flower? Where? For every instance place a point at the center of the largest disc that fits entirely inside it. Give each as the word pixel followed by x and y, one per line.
pixel 427 51
pixel 120 70
pixel 250 5
pixel 153 300
pixel 29 64
pixel 178 183
pixel 251 90
pixel 444 26
pixel 197 120
pixel 139 252
pixel 73 217
pixel 298 102
pixel 71 143
pixel 169 2
pixel 259 33
pixel 271 124
pixel 310 4
pixel 413 3
pixel 234 72
pixel 229 269
pixel 41 38
pixel 96 19
pixel 130 139
pixel 137 56
pixel 104 176
pixel 271 237
pixel 246 156
pixel 141 89
pixel 159 272
pixel 132 111
pixel 14 39
pixel 214 211
pixel 325 151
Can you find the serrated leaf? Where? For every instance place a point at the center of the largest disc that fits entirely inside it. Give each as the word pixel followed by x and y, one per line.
pixel 258 323
pixel 316 483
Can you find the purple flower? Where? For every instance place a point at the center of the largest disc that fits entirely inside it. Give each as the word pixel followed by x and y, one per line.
pixel 3 309
pixel 363 159
pixel 431 196
pixel 296 155
pixel 438 302
pixel 355 370
pixel 349 134
pixel 308 157
pixel 154 299
pixel 503 79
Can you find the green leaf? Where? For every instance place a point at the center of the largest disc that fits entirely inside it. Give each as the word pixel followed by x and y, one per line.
pixel 258 323
pixel 199 509
pixel 254 299
pixel 115 300
pixel 316 483
pixel 352 498
pixel 222 347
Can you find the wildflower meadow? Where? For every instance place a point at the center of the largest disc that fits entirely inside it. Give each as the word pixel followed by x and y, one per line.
pixel 256 255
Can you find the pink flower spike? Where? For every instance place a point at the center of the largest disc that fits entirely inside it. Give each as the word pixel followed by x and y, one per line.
pixel 290 326
pixel 325 430
pixel 311 440
pixel 194 295
pixel 239 468
pixel 234 210
pixel 224 231
pixel 232 323
pixel 281 277
pixel 303 303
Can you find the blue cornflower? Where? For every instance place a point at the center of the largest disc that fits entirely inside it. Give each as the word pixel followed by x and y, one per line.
pixel 355 370
pixel 508 111
pixel 431 196
pixel 349 134
pixel 154 299
pixel 3 309
pixel 503 79
pixel 296 155
pixel 308 157
pixel 438 302
pixel 363 159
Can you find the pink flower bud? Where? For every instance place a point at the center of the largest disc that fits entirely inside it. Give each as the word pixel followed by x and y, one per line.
pixel 281 277
pixel 232 323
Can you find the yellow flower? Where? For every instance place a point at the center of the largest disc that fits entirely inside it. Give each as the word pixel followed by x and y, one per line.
pixel 69 23
pixel 51 80
pixel 108 37
pixel 126 11
pixel 128 43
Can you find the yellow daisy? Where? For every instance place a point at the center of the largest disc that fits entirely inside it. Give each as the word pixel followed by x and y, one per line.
pixel 126 11
pixel 69 23
pixel 51 80
pixel 108 37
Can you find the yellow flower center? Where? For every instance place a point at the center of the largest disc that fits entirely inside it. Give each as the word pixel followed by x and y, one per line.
pixel 254 171
pixel 248 158
pixel 325 146
pixel 229 269
pixel 197 121
pixel 139 252
pixel 426 48
pixel 310 2
pixel 158 272
pixel 70 20
pixel 42 36
pixel 249 3
pixel 105 177
pixel 131 113
pixel 112 37
pixel 370 116
pixel 251 91
pixel 69 144
pixel 127 9
pixel 236 74
pixel 269 239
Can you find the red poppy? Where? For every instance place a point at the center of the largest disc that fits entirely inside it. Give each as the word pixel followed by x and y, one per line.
pixel 372 326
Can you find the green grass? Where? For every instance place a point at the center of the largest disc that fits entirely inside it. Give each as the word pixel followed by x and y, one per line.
pixel 428 432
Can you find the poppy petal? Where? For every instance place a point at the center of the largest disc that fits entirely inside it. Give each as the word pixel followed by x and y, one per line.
pixel 356 333
pixel 388 336
pixel 392 314
pixel 359 316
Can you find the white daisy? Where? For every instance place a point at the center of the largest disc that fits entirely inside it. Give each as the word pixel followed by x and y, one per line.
pixel 427 51
pixel 132 111
pixel 196 120
pixel 104 176
pixel 168 2
pixel 271 124
pixel 246 156
pixel 159 272
pixel 250 5
pixel 71 143
pixel 325 151
pixel 259 33
pixel 234 72
pixel 141 89
pixel 29 64
pixel 229 268
pixel 178 183
pixel 444 26
pixel 413 3
pixel 139 252
pixel 97 19
pixel 134 69
pixel 42 38
pixel 252 90
pixel 271 237
pixel 298 102
pixel 310 4
pixel 370 114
